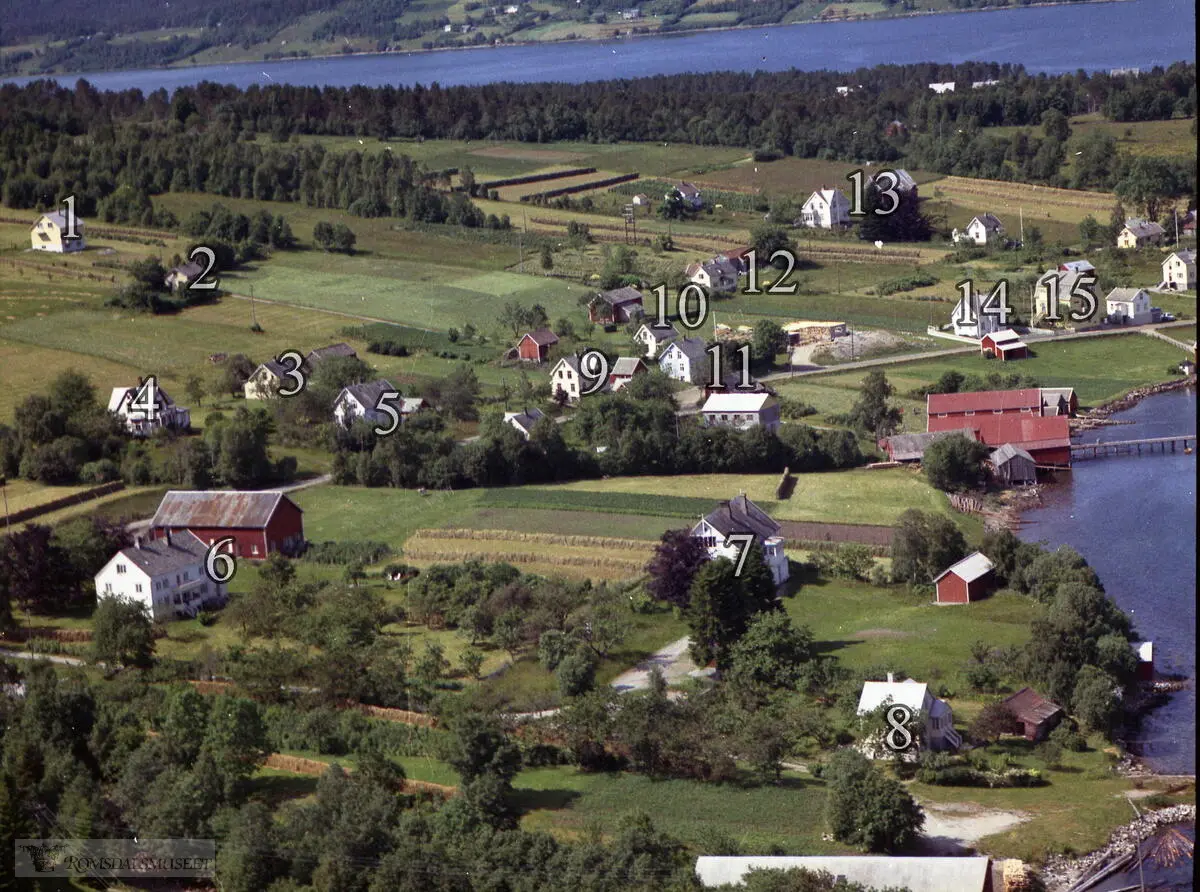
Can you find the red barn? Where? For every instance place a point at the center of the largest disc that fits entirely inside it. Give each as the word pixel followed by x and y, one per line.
pixel 259 522
pixel 969 580
pixel 1004 344
pixel 535 345
pixel 1037 715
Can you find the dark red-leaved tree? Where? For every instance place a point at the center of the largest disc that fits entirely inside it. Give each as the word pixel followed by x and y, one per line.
pixel 676 559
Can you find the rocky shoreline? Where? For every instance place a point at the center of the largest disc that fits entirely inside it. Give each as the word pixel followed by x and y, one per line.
pixel 1131 399
pixel 1061 874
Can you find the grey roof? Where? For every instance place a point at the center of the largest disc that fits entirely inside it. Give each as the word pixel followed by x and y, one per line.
pixel 278 369
pixel 990 222
pixel 969 568
pixel 1007 453
pixel 662 333
pixel 1079 266
pixel 219 508
pixel 543 337
pixel 157 556
pixel 622 295
pixel 1124 294
pixel 525 420
pixel 967 874
pixel 368 393
pixel 904 180
pixel 911 447
pixel 1142 228
pixel 572 362
pixel 626 365
pixel 1187 255
pixel 329 352
pixel 687 190
pixel 740 515
pixel 187 270
pixel 59 219
pixel 693 348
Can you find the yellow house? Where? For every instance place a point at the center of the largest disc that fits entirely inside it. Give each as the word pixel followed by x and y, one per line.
pixel 49 234
pixel 1139 233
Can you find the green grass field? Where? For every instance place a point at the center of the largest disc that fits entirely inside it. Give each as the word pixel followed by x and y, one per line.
pixel 1099 369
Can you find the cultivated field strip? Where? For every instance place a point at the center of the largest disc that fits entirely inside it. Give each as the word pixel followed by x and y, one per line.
pixel 1031 196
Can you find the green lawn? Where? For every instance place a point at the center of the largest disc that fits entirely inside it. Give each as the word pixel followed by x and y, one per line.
pixel 760 818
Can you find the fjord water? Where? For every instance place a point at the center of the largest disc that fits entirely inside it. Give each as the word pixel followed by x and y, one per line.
pixel 1134 519
pixel 1045 39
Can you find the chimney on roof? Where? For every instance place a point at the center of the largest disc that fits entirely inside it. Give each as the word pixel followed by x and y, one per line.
pixel 168 537
pixel 137 542
pixel 891 678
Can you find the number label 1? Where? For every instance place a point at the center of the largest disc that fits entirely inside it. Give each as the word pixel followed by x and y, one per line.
pixel 72 220
pixel 220 564
pixel 740 541
pixel 210 256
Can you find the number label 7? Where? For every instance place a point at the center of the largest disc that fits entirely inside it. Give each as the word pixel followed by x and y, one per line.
pixel 742 542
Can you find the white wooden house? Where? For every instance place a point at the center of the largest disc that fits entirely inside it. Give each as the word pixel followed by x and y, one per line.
pixel 939 718
pixel 741 410
pixel 715 275
pixel 180 277
pixel 524 421
pixel 1179 271
pixel 565 376
pixel 982 230
pixel 969 321
pixel 623 370
pixel 1069 282
pixel 165 575
pixel 138 421
pixel 1128 306
pixel 49 233
pixel 943 87
pixel 686 359
pixel 826 209
pixel 740 515
pixel 1139 234
pixel 654 338
pixel 265 381
pixel 361 402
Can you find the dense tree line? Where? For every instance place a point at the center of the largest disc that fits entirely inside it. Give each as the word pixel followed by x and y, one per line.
pixel 191 139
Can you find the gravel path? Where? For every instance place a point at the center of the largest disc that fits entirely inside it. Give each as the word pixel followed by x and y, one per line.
pixel 952 827
pixel 673 660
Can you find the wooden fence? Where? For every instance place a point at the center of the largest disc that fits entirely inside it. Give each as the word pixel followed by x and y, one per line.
pixel 78 498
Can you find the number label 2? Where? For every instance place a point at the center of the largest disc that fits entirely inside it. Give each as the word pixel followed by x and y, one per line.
pixel 776 287
pixel 210 256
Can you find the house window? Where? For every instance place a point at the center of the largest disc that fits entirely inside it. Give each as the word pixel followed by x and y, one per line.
pixel 138 588
pixel 972 412
pixel 1001 411
pixel 254 549
pixel 108 588
pixel 185 575
pixel 120 568
pixel 177 579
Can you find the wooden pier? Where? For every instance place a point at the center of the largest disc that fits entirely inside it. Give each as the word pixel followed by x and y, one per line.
pixel 1150 445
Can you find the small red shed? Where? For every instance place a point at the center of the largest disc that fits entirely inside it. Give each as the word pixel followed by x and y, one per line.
pixel 969 580
pixel 535 345
pixel 1004 345
pixel 259 522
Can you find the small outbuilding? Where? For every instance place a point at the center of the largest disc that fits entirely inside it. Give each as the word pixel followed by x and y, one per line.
pixel 1145 666
pixel 1004 345
pixel 535 346
pixel 971 579
pixel 1037 715
pixel 1011 464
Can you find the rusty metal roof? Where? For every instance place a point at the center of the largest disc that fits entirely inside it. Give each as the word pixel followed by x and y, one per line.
pixel 226 508
pixel 1030 706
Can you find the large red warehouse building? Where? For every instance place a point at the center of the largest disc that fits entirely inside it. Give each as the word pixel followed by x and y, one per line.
pixel 1005 416
pixel 259 522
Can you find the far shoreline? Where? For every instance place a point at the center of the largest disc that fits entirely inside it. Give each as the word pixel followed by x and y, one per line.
pixel 191 63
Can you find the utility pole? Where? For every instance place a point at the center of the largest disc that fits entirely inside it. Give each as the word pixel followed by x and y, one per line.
pixel 521 251
pixel 1021 214
pixel 4 489
pixel 253 316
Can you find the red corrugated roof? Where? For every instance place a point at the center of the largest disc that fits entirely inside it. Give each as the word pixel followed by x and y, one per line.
pixel 1026 431
pixel 216 509
pixel 982 401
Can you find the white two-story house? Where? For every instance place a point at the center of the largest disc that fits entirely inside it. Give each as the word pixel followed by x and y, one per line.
pixel 686 359
pixel 654 338
pixel 982 230
pixel 740 515
pixel 1179 271
pixel 939 719
pixel 566 377
pixel 362 402
pixel 969 320
pixel 826 209
pixel 164 575
pixel 139 419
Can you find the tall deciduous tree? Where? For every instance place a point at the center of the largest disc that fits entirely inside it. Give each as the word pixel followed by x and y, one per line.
pixel 924 545
pixel 723 605
pixel 868 809
pixel 676 559
pixel 872 411
pixel 121 633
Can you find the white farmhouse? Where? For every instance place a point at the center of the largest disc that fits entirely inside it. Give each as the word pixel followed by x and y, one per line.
pixel 165 575
pixel 740 515
pixel 969 320
pixel 685 359
pixel 266 381
pixel 1128 306
pixel 741 411
pixel 138 421
pixel 826 209
pixel 943 87
pixel 524 421
pixel 361 402
pixel 50 233
pixel 939 719
pixel 982 230
pixel 654 338
pixel 715 275
pixel 1179 271
pixel 565 376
